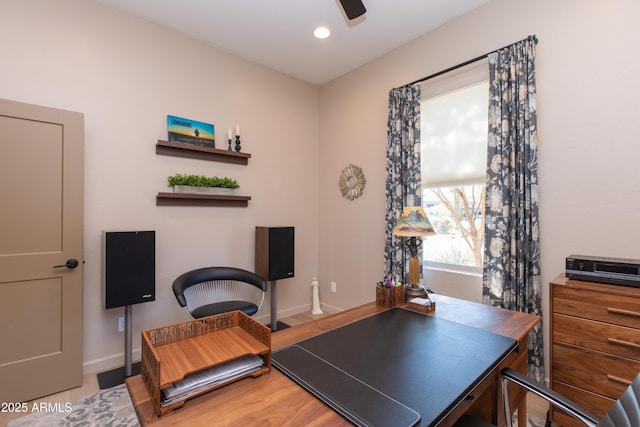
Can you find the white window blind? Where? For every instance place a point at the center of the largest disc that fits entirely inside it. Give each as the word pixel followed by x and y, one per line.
pixel 454 115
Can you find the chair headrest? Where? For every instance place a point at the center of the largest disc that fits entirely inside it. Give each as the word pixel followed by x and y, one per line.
pixel 206 274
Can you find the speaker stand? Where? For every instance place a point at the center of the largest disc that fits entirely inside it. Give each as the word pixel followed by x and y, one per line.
pixel 274 304
pixel 117 376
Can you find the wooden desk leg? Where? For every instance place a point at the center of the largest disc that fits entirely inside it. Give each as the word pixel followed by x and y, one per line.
pixel 520 394
pixel 517 394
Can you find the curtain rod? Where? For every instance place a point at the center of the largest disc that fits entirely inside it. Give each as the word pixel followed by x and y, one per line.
pixel 470 61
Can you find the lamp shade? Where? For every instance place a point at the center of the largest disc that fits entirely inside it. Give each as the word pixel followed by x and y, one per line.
pixel 414 223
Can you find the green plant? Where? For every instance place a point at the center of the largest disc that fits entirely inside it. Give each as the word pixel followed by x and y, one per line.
pixel 443 224
pixel 202 181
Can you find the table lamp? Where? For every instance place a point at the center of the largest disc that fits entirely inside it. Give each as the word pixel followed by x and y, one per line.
pixel 414 223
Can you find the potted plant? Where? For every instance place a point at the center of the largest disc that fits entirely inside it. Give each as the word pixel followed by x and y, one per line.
pixel 201 184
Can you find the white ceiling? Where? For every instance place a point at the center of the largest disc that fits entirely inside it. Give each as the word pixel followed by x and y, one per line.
pixel 279 33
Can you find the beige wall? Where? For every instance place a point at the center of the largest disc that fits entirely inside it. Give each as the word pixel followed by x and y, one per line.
pixel 126 75
pixel 587 68
pixel 118 71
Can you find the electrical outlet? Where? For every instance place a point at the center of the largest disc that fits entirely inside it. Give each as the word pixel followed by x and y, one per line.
pixel 333 287
pixel 121 324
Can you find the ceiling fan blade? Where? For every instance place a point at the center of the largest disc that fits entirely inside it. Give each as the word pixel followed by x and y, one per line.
pixel 353 8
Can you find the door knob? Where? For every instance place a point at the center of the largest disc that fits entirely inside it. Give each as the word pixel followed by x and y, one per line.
pixel 71 263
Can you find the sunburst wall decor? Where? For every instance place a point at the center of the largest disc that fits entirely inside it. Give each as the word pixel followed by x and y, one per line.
pixel 352 182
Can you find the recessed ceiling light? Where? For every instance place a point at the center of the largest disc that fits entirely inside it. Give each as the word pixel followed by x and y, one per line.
pixel 321 32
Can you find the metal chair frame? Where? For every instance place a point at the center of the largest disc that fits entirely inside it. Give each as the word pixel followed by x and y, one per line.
pixel 222 286
pixel 625 412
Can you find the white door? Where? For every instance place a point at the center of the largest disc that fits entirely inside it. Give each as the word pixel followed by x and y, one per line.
pixel 41 228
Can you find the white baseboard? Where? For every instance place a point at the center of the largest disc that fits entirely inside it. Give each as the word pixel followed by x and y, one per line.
pixel 110 362
pixel 329 309
pixel 266 318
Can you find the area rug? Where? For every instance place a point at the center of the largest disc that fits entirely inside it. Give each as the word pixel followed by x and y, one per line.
pixel 107 408
pixel 110 407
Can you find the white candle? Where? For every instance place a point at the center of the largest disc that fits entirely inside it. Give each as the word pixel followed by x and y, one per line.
pixel 237 130
pixel 229 135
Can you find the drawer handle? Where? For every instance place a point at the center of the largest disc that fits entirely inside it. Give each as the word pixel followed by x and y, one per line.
pixel 622 342
pixel 625 312
pixel 618 379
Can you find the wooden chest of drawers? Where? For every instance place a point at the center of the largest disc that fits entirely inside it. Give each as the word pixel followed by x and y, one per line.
pixel 595 343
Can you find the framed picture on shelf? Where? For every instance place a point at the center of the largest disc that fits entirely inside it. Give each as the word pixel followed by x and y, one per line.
pixel 187 131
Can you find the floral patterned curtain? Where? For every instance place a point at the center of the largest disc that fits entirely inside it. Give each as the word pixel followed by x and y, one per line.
pixel 403 185
pixel 511 274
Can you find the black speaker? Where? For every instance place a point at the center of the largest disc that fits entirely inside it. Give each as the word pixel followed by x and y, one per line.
pixel 129 267
pixel 274 252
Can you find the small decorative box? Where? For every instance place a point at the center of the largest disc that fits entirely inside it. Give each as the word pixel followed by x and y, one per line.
pixel 421 305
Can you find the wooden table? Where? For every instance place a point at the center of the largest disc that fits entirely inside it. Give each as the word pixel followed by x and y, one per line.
pixel 274 399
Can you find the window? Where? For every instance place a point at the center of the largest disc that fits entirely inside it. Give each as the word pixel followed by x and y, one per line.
pixel 454 114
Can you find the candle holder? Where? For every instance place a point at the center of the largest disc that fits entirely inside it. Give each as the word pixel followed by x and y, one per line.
pixel 238 143
pixel 229 149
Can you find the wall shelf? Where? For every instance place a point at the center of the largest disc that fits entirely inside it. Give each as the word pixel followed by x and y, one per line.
pixel 177 149
pixel 187 199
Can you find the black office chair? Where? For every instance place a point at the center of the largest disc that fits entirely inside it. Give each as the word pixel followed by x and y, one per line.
pixel 214 290
pixel 625 412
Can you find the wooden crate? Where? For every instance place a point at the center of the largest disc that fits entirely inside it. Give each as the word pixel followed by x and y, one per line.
pixel 171 352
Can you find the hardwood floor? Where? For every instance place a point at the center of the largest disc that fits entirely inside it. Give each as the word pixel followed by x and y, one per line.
pixel 536 406
pixel 301 318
